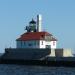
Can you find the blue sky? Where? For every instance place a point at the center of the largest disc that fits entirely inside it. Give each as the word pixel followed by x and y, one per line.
pixel 58 19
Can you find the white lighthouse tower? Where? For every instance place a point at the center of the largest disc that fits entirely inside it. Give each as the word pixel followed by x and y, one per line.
pixel 39 23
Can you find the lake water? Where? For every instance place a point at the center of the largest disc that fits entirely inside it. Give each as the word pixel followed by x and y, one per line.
pixel 6 69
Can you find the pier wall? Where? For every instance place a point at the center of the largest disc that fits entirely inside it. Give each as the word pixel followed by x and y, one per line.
pixel 26 54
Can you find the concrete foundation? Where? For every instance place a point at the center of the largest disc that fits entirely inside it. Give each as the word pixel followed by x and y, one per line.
pixel 61 53
pixel 35 54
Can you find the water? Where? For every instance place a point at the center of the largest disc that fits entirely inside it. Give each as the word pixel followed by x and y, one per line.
pixel 34 70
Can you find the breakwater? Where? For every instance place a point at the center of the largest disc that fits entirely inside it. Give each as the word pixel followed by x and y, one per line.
pixel 55 63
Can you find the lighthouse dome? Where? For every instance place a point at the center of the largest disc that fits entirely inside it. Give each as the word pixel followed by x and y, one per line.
pixel 32 22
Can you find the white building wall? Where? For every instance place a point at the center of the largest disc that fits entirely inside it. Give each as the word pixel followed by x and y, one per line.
pixel 42 44
pixel 36 44
pixel 47 43
pixel 53 44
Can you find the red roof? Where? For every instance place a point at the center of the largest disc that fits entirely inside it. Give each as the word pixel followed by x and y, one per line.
pixel 34 36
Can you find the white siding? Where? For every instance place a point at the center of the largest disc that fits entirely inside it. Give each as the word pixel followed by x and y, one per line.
pixel 36 44
pixel 47 43
pixel 42 43
pixel 53 44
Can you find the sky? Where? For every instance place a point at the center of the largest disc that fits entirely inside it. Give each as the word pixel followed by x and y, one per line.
pixel 58 18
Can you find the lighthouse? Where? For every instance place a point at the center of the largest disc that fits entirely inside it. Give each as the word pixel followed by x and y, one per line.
pixel 35 44
pixel 35 37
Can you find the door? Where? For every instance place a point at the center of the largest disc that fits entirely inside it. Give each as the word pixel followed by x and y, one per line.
pixel 48 46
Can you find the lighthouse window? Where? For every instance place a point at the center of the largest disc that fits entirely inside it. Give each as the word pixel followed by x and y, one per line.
pixel 42 42
pixel 21 43
pixel 54 43
pixel 35 43
pixel 30 44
